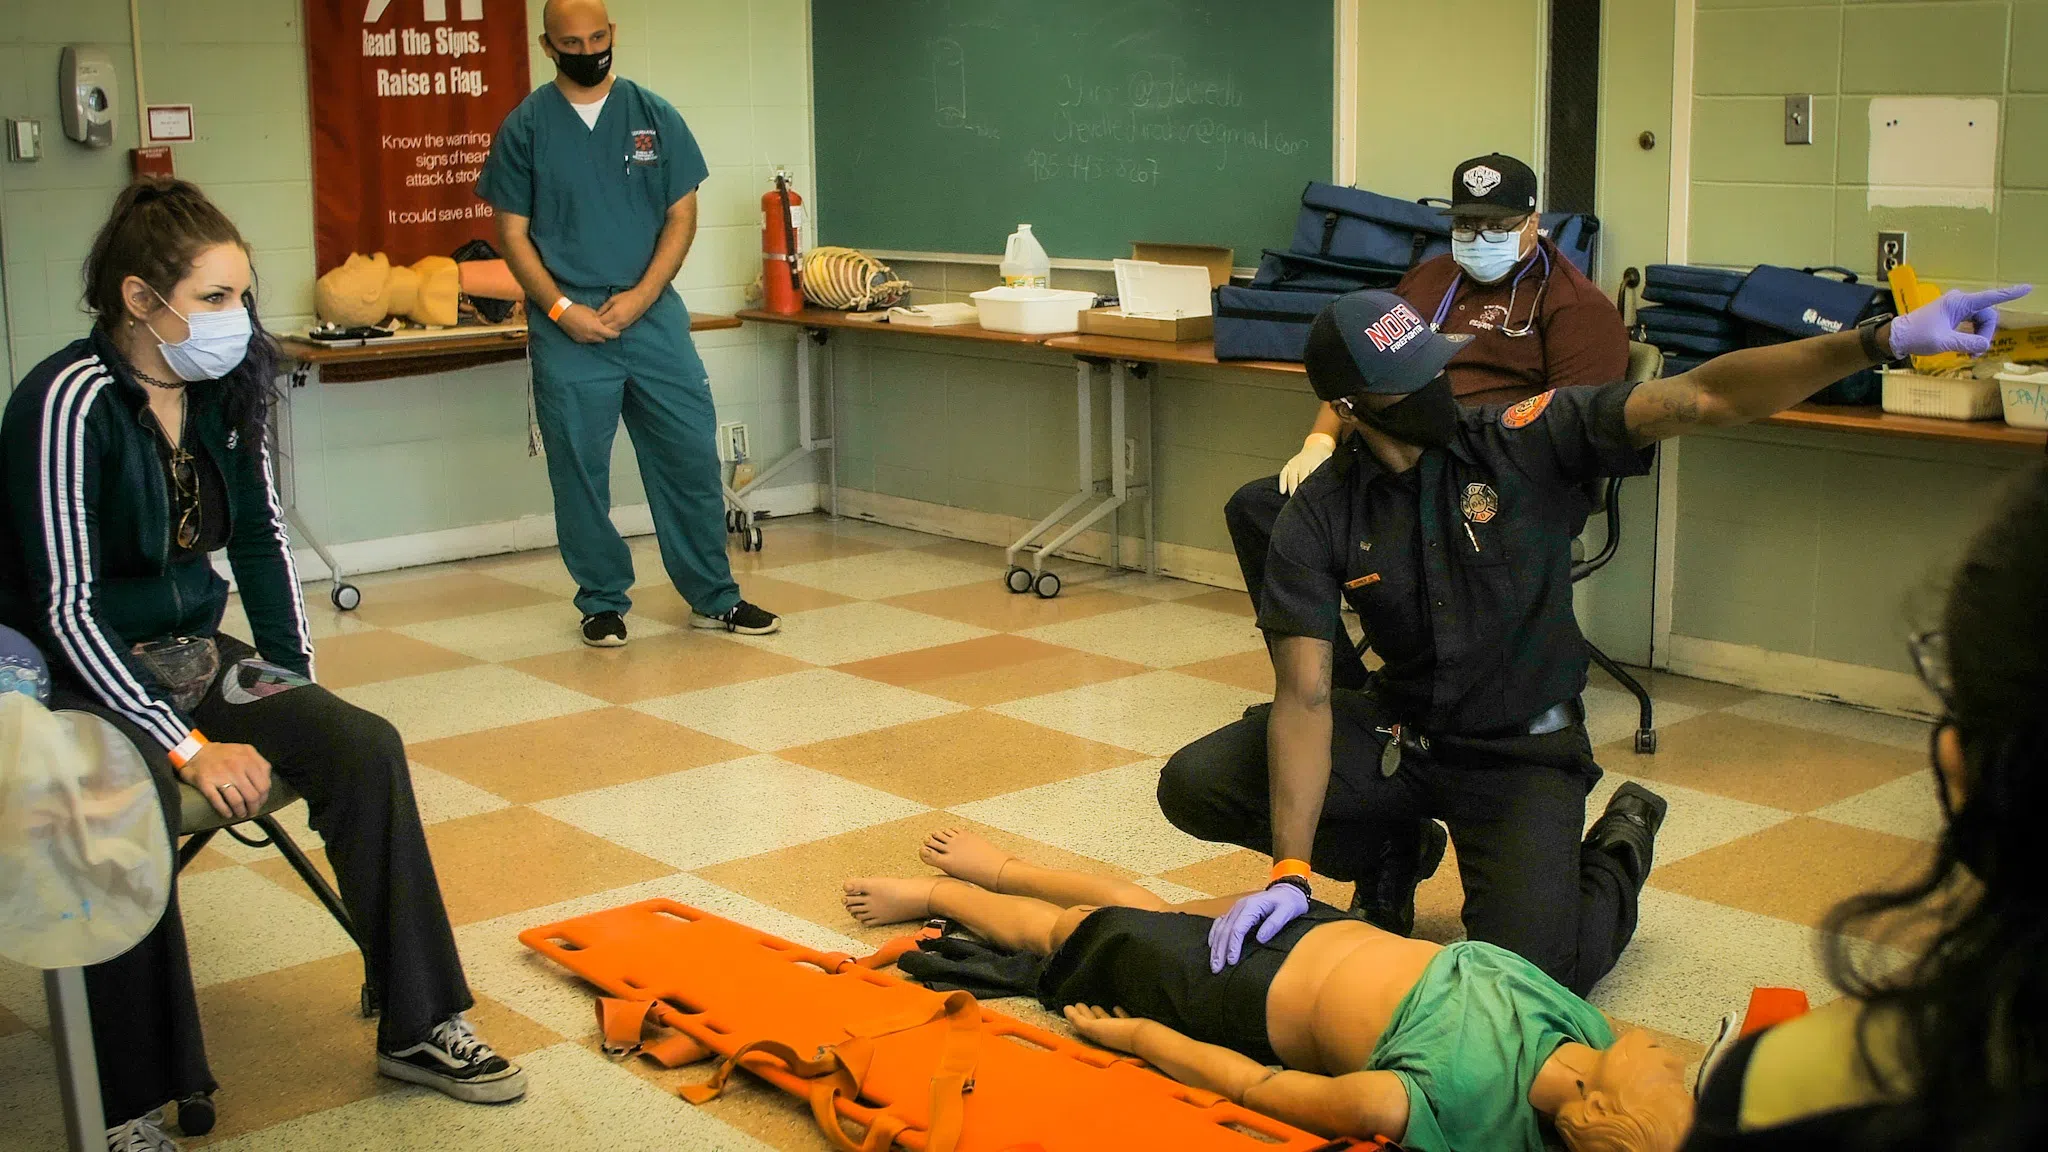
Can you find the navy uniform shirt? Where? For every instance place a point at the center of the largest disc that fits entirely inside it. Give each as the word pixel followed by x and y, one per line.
pixel 596 197
pixel 1459 568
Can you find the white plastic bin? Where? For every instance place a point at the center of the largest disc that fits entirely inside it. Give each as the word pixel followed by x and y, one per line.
pixel 1034 311
pixel 1942 397
pixel 2023 388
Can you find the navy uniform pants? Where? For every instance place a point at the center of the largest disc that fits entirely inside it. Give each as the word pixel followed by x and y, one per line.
pixel 1515 806
pixel 651 376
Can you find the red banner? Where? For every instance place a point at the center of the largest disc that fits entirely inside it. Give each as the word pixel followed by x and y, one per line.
pixel 406 96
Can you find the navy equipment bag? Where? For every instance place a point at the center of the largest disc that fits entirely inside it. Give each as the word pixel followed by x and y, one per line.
pixel 1796 302
pixel 1685 285
pixel 1689 330
pixel 1265 323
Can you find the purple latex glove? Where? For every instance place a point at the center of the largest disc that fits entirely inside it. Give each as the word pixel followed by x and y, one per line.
pixel 1267 911
pixel 1931 328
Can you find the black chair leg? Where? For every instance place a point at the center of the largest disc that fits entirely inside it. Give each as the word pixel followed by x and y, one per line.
pixel 294 856
pixel 1646 728
pixel 192 846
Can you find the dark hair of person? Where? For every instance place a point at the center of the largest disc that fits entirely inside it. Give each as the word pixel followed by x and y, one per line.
pixel 1970 1064
pixel 157 229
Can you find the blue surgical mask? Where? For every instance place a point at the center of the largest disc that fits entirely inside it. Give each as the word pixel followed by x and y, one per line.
pixel 1487 261
pixel 217 343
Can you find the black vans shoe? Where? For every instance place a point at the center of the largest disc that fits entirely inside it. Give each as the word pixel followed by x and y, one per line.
pixel 604 630
pixel 452 1060
pixel 743 618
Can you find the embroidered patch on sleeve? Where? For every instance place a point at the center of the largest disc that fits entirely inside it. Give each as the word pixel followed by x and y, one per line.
pixel 1524 414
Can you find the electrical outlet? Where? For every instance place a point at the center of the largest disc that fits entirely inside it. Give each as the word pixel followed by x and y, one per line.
pixel 732 441
pixel 1891 252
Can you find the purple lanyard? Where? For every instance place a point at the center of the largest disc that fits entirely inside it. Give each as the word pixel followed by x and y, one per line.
pixel 1443 309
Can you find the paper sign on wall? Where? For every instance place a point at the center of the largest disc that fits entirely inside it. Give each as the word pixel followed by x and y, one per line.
pixel 1933 151
pixel 406 97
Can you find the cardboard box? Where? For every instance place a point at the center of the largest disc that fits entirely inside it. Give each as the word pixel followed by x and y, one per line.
pixel 1170 330
pixel 1113 322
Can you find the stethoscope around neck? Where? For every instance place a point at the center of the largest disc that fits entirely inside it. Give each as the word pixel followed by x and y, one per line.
pixel 1443 309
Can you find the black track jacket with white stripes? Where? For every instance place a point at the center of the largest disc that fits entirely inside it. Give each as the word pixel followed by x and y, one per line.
pixel 84 559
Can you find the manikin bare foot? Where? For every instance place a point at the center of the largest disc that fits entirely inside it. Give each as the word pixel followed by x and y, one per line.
pixel 965 855
pixel 874 900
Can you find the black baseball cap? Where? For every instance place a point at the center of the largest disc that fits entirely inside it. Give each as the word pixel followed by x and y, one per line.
pixel 1492 185
pixel 1374 342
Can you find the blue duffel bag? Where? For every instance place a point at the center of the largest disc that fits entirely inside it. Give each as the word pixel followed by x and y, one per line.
pixel 1797 302
pixel 1691 287
pixel 1689 330
pixel 1265 323
pixel 1296 272
pixel 1355 226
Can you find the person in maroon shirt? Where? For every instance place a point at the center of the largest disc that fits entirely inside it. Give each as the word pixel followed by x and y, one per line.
pixel 1535 320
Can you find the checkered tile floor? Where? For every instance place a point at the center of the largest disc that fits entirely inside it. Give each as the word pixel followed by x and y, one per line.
pixel 907 690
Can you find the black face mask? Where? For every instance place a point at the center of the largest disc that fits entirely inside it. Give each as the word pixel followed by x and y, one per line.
pixel 586 69
pixel 1426 417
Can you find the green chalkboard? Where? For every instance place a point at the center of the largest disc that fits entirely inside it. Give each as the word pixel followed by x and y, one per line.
pixel 942 124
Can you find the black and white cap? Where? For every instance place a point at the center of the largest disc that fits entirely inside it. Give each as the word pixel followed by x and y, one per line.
pixel 1492 185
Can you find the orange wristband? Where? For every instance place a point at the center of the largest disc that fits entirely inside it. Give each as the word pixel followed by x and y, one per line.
pixel 559 307
pixel 1287 868
pixel 187 749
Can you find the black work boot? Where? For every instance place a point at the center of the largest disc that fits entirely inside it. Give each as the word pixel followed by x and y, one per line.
pixel 1628 829
pixel 1385 897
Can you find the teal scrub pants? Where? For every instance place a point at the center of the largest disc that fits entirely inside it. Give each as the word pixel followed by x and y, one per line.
pixel 652 377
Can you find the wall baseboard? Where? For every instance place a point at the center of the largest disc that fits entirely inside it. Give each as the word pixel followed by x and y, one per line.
pixel 522 535
pixel 1878 689
pixel 1198 565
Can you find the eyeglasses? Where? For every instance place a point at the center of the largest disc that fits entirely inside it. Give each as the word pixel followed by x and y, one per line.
pixel 1498 233
pixel 1930 660
pixel 185 478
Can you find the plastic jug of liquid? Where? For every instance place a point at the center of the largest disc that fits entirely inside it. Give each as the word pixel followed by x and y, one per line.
pixel 1025 264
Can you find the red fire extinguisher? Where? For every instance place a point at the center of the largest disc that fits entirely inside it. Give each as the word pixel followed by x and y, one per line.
pixel 781 221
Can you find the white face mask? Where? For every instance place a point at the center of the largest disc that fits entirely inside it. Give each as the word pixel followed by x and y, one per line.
pixel 1487 261
pixel 215 345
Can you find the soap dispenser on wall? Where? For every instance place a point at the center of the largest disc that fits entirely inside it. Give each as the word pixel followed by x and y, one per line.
pixel 87 94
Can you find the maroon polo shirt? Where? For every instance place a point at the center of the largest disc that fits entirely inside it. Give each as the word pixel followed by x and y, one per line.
pixel 1576 336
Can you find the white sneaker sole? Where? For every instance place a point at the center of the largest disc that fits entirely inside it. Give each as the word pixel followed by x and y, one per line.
pixel 714 622
pixel 605 642
pixel 502 1090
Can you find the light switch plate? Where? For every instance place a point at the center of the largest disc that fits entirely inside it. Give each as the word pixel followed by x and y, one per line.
pixel 1799 119
pixel 25 140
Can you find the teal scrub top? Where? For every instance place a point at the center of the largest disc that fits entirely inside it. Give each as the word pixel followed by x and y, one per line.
pixel 596 198
pixel 1467 1042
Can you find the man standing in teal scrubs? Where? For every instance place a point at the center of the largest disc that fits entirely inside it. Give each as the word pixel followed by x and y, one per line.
pixel 594 180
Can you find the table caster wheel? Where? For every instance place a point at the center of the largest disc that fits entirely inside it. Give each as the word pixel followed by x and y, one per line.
pixel 1048 585
pixel 732 521
pixel 1018 580
pixel 754 540
pixel 346 597
pixel 1646 742
pixel 195 1115
pixel 369 1003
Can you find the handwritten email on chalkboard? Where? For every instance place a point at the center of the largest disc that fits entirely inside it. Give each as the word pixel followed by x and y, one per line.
pixel 942 124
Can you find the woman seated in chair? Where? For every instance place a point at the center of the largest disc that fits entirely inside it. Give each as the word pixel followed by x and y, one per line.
pixel 1945 1051
pixel 125 458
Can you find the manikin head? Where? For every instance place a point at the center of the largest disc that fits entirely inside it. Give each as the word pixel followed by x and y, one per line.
pixel 1634 1101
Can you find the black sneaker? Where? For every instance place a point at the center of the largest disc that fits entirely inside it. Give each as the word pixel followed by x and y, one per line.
pixel 604 630
pixel 145 1133
pixel 1628 829
pixel 452 1060
pixel 1386 899
pixel 743 618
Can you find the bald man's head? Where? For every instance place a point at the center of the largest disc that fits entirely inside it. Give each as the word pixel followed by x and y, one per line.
pixel 573 26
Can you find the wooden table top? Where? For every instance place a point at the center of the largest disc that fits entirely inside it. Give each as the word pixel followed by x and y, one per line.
pixel 833 318
pixel 506 343
pixel 1201 353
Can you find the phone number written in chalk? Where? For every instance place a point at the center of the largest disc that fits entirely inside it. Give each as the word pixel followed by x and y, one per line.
pixel 1047 166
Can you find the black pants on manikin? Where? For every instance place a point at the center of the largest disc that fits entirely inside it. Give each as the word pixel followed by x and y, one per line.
pixel 1515 808
pixel 351 768
pixel 1249 514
